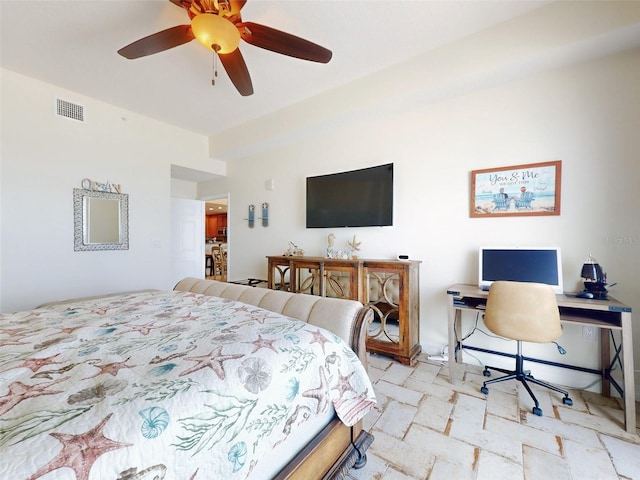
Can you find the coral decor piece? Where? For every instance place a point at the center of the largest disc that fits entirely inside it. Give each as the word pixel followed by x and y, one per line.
pixel 353 247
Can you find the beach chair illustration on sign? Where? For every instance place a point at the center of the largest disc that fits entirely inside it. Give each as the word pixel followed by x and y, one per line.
pixel 524 201
pixel 500 202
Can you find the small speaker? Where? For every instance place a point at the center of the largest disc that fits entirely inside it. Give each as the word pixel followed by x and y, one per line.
pixel 403 257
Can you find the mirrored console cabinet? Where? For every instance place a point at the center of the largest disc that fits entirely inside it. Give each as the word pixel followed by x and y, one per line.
pixel 389 287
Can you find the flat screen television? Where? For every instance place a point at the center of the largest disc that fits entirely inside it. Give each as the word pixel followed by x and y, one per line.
pixel 521 264
pixel 357 198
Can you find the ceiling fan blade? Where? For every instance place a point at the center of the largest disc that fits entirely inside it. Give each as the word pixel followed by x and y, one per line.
pixel 158 42
pixel 281 42
pixel 236 68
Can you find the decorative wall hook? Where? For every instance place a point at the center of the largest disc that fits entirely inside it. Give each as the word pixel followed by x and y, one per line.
pixel 252 215
pixel 265 214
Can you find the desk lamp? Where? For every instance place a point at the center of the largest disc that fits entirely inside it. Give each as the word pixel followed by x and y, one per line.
pixel 594 278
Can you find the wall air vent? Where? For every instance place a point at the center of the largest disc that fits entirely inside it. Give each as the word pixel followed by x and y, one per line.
pixel 69 110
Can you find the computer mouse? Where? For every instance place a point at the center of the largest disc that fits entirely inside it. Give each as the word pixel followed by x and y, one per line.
pixel 584 295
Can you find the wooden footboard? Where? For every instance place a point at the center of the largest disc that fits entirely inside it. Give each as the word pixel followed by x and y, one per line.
pixel 330 455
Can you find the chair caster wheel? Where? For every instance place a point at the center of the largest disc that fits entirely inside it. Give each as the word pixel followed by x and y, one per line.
pixel 567 401
pixel 537 411
pixel 486 373
pixel 484 390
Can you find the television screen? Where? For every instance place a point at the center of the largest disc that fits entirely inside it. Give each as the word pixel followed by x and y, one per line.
pixel 534 264
pixel 358 198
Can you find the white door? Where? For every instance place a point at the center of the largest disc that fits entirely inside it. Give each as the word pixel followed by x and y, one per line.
pixel 187 239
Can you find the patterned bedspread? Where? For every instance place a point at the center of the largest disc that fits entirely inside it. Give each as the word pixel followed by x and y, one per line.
pixel 159 385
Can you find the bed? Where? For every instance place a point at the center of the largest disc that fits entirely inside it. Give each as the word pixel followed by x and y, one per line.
pixel 208 381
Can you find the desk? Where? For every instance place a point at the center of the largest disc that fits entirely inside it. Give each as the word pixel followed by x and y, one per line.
pixel 608 315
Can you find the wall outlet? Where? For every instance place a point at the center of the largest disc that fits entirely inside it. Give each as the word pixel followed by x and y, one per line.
pixel 589 333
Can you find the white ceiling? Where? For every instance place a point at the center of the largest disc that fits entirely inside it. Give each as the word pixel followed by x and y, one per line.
pixel 73 44
pixel 213 207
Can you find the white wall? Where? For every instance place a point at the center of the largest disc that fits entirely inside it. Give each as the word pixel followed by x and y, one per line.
pixel 44 157
pixel 587 115
pixel 184 189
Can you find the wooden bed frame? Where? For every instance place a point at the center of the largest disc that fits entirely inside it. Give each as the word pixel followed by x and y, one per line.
pixel 331 454
pixel 337 448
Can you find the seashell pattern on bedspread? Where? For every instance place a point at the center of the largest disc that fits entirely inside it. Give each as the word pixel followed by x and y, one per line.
pixel 174 384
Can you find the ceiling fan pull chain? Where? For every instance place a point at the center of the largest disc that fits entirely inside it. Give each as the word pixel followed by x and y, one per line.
pixel 215 68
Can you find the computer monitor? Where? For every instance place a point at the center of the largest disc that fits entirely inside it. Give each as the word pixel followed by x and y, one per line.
pixel 520 264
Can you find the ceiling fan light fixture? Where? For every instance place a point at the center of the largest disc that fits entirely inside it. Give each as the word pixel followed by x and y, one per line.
pixel 216 33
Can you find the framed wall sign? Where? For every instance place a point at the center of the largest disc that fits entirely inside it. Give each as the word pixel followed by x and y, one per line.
pixel 520 190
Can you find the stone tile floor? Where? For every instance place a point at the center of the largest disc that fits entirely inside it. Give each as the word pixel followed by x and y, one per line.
pixel 427 428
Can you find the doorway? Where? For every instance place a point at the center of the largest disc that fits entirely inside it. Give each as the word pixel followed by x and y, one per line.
pixel 216 237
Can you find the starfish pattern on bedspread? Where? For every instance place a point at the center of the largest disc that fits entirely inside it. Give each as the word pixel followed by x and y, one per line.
pixel 195 298
pixel 344 384
pixel 144 328
pixel 318 337
pixel 241 308
pixel 18 392
pixel 35 364
pixel 321 394
pixel 112 368
pixel 213 360
pixel 262 343
pixel 189 317
pixel 259 317
pixel 79 452
pixel 101 310
pixel 71 329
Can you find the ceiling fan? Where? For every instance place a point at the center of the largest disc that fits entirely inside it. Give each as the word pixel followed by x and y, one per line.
pixel 217 24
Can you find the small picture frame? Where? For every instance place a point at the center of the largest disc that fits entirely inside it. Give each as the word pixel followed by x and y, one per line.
pixel 520 190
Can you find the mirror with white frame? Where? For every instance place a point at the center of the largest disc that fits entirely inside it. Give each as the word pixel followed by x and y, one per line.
pixel 101 220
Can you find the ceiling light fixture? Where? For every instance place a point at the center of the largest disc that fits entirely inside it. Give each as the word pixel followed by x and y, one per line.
pixel 216 33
